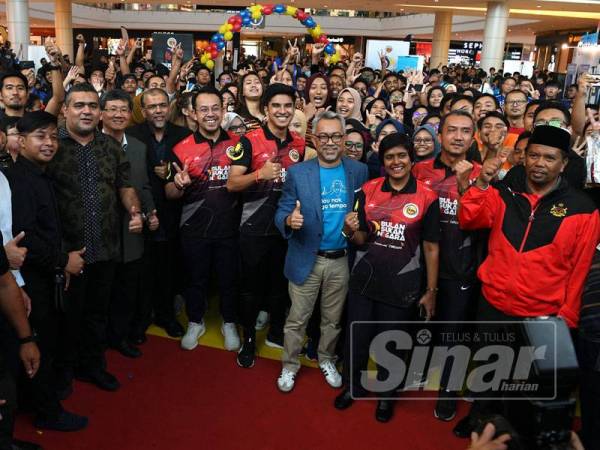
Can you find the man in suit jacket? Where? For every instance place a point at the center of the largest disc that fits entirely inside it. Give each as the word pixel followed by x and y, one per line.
pixel 316 197
pixel 161 259
pixel 116 113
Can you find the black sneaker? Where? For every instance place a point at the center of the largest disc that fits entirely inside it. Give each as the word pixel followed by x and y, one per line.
pixel 274 341
pixel 445 408
pixel 247 354
pixel 65 421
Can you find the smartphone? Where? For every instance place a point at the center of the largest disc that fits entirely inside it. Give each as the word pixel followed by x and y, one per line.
pixel 419 87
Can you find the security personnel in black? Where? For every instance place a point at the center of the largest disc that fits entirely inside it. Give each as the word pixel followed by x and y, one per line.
pixel 35 213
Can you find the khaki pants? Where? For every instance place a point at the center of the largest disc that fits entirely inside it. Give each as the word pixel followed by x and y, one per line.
pixel 331 277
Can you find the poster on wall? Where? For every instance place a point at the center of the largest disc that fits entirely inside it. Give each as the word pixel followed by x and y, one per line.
pixel 571 76
pixel 164 45
pixel 406 63
pixel 391 49
pixel 525 68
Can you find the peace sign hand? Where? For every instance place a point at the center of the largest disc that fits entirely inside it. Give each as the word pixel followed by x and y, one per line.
pixel 182 177
pixel 578 148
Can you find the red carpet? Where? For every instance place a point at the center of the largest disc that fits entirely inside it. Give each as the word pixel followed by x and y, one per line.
pixel 176 400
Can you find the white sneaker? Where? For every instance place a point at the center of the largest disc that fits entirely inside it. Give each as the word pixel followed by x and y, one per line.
pixel 262 320
pixel 332 376
pixel 286 380
pixel 232 338
pixel 193 333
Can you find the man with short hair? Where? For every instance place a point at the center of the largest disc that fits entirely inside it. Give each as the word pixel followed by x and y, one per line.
pixel 259 169
pixel 210 217
pixel 515 104
pixel 317 258
pixel 35 213
pixel 129 84
pixel 533 224
pixel 203 77
pixel 448 174
pixel 508 84
pixel 90 174
pixel 484 104
pixel 13 94
pixel 116 108
pixel 493 130
pixel 551 90
pixel 161 261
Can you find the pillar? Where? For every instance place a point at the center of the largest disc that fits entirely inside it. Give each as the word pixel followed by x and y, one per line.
pixel 63 26
pixel 494 36
pixel 17 18
pixel 442 29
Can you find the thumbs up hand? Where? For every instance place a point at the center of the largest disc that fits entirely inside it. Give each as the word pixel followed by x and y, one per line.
pixel 15 254
pixel 136 222
pixel 75 262
pixel 153 221
pixel 270 171
pixel 296 219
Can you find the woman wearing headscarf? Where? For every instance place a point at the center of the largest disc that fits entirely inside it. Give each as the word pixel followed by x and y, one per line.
pixel 300 125
pixel 234 122
pixel 348 104
pixel 425 143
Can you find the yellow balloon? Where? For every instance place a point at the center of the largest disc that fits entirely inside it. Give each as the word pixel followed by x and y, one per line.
pixel 204 58
pixel 210 64
pixel 315 32
pixel 291 10
pixel 229 27
pixel 256 15
pixel 228 35
pixel 222 29
pixel 335 58
pixel 255 8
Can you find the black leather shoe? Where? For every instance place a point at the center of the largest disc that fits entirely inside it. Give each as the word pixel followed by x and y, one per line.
pixel 172 327
pixel 64 384
pixel 344 400
pixel 128 350
pixel 101 378
pixel 65 421
pixel 24 445
pixel 465 427
pixel 138 338
pixel 384 411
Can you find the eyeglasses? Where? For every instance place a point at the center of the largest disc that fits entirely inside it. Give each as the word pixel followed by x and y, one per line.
pixel 557 123
pixel 354 146
pixel 335 137
pixel 123 110
pixel 423 141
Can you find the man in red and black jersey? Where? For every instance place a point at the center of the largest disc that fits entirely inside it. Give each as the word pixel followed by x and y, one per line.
pixel 258 168
pixel 398 217
pixel 209 217
pixel 543 237
pixel 458 250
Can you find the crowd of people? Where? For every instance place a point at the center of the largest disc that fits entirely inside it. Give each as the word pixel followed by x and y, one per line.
pixel 317 196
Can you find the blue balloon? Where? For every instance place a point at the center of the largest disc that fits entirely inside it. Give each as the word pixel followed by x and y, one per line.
pixel 310 23
pixel 330 49
pixel 244 13
pixel 279 8
pixel 217 38
pixel 220 45
pixel 246 21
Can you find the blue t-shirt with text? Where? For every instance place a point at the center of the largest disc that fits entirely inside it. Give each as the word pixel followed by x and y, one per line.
pixel 334 204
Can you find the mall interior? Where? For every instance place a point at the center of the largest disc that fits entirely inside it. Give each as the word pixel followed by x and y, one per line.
pixel 174 399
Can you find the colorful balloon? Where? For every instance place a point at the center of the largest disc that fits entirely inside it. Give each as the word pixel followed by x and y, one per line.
pixel 222 29
pixel 279 8
pixel 335 58
pixel 291 11
pixel 237 27
pixel 309 22
pixel 330 49
pixel 210 64
pixel 267 10
pixel 228 36
pixel 204 58
pixel 256 15
pixel 214 53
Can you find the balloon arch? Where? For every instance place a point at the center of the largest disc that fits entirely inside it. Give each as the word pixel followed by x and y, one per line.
pixel 252 16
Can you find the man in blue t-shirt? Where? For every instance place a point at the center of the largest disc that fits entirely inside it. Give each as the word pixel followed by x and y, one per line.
pixel 317 196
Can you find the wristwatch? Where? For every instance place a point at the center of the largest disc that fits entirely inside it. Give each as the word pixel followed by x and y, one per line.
pixel 28 339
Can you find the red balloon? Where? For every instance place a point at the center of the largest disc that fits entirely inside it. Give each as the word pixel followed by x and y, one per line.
pixel 323 39
pixel 267 10
pixel 301 15
pixel 232 20
pixel 212 46
pixel 214 53
pixel 237 27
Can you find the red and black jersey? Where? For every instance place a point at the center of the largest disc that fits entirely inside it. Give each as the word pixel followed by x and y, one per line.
pixel 540 248
pixel 458 250
pixel 260 200
pixel 209 209
pixel 397 222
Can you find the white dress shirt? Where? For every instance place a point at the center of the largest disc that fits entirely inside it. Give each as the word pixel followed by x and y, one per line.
pixel 6 219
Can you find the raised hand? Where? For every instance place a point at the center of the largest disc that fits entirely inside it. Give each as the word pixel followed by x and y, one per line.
pixel 351 222
pixel 182 177
pixel 162 170
pixel 489 171
pixel 270 171
pixel 486 440
pixel 296 219
pixel 580 148
pixel 136 223
pixel 153 222
pixel 178 54
pixel 15 254
pixel 120 51
pixel 80 39
pixel 72 74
